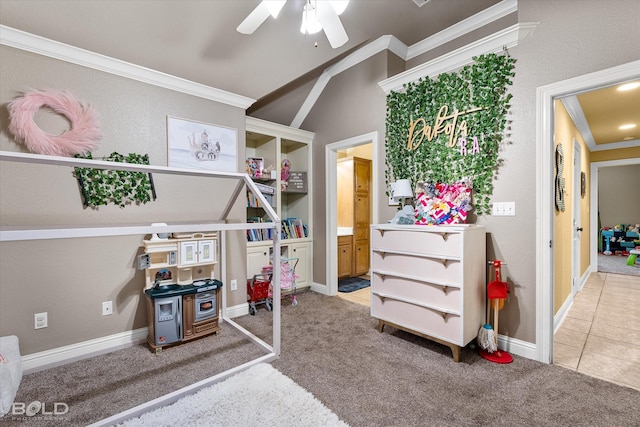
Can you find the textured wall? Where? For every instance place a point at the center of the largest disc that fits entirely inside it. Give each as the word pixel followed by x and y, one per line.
pixel 618 201
pixel 69 278
pixel 570 41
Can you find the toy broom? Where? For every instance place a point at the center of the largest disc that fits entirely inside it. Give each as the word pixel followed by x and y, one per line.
pixel 496 295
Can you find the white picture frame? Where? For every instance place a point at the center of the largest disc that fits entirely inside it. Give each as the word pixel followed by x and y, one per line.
pixel 198 145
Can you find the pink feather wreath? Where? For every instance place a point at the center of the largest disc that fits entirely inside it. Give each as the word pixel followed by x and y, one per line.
pixel 81 138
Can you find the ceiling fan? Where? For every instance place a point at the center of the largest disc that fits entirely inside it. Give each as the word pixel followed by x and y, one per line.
pixel 317 15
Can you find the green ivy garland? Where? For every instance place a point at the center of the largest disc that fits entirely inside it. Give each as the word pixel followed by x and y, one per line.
pixel 100 187
pixel 481 85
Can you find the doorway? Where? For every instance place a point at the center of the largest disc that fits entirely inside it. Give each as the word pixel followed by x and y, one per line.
pixel 545 97
pixel 331 171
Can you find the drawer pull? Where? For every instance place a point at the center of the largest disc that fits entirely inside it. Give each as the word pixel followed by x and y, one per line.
pixel 445 289
pixel 444 236
pixel 444 262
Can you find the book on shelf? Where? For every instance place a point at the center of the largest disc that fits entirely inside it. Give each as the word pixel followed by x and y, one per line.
pixel 257 235
pixel 293 228
pixel 254 202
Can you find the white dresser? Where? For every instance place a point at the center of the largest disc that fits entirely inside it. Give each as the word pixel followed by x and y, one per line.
pixel 430 281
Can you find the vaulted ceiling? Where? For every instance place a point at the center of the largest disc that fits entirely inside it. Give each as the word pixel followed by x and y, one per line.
pixel 197 40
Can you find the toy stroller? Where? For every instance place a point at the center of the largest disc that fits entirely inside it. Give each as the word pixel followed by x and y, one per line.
pixel 260 287
pixel 287 280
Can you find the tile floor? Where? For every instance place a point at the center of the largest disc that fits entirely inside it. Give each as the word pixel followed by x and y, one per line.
pixel 600 336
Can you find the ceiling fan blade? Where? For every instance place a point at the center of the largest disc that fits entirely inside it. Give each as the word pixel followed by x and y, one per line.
pixel 254 19
pixel 331 24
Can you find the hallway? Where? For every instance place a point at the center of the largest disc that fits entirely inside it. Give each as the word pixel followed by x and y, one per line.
pixel 600 335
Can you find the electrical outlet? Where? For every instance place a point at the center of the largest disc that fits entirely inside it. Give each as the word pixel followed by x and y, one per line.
pixel 234 285
pixel 40 320
pixel 107 308
pixel 509 208
pixel 503 209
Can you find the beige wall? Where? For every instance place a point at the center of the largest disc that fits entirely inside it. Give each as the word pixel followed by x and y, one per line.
pixel 570 41
pixel 564 45
pixel 618 195
pixel 69 278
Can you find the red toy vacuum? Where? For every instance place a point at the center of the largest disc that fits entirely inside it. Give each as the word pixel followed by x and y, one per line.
pixel 497 291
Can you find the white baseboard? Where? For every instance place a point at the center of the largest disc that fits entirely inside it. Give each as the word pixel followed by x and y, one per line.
pixel 518 347
pixel 83 350
pixel 70 353
pixel 237 310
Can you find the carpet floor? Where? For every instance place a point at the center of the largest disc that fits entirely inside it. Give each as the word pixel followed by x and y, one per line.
pixel 617 264
pixel 331 348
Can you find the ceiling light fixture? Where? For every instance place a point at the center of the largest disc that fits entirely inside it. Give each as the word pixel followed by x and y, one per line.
pixel 323 15
pixel 629 86
pixel 310 23
pixel 316 16
pixel 627 126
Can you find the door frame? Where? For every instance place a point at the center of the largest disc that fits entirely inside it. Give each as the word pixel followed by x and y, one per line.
pixel 331 176
pixel 575 221
pixel 545 96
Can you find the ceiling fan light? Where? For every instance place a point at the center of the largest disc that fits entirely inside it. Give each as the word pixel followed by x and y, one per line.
pixel 339 5
pixel 274 6
pixel 310 23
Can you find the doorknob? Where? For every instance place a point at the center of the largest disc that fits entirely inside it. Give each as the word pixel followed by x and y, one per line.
pixel 579 229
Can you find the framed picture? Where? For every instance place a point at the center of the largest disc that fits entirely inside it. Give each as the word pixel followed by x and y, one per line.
pixel 197 145
pixel 583 184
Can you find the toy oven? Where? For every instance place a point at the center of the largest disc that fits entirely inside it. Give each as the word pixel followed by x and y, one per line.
pixel 206 306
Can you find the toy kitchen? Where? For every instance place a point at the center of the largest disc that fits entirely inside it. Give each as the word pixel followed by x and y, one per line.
pixel 181 290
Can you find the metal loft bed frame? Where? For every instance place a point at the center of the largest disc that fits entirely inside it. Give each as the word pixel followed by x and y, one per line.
pixel 11 233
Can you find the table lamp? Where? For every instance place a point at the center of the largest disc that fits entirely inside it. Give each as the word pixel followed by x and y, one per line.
pixel 402 191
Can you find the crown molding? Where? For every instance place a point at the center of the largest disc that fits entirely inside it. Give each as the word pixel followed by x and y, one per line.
pixel 395 46
pixel 42 46
pixel 494 43
pixel 380 44
pixel 472 23
pixel 574 109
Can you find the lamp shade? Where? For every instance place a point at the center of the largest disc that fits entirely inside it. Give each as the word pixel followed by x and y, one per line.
pixel 402 189
pixel 310 23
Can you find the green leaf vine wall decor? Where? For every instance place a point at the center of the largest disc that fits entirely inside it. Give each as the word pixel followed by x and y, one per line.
pixel 450 128
pixel 100 187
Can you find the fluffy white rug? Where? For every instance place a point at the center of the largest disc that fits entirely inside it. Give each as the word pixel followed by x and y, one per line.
pixel 260 396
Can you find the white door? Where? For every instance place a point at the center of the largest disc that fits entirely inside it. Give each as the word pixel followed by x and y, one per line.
pixel 577 227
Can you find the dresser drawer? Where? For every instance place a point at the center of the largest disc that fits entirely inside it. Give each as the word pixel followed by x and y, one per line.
pixel 417 318
pixel 424 242
pixel 447 298
pixel 438 270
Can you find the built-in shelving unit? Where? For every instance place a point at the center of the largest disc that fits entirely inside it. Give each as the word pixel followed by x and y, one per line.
pixel 278 146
